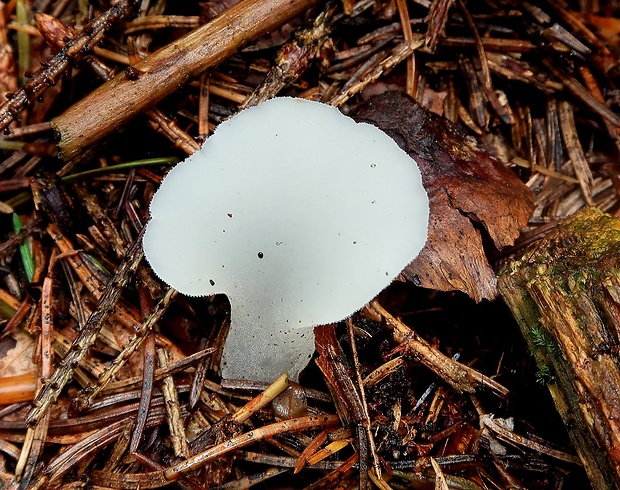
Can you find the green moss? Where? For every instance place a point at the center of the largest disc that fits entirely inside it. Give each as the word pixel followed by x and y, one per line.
pixel 545 375
pixel 541 339
pixel 596 234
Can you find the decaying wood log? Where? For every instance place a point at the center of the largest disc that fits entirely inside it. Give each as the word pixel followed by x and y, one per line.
pixel 565 294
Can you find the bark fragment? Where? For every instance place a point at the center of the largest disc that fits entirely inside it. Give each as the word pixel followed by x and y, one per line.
pixel 467 187
pixel 565 294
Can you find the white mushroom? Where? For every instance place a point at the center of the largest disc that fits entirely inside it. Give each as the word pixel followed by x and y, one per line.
pixel 295 212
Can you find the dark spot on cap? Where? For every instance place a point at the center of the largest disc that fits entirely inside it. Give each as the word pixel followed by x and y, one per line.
pixel 261 255
pixel 212 282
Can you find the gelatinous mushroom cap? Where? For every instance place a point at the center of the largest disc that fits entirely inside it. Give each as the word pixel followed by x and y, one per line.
pixel 295 212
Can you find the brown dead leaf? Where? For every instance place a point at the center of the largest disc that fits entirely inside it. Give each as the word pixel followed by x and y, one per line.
pixel 467 187
pixel 17 351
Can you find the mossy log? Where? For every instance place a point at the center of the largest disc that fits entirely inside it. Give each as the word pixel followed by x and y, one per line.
pixel 565 294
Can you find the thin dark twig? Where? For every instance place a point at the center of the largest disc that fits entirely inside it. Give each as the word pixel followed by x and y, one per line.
pixel 52 388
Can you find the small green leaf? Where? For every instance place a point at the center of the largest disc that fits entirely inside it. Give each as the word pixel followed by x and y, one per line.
pixel 24 249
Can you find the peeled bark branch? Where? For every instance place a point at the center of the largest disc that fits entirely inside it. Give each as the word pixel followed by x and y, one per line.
pixel 150 80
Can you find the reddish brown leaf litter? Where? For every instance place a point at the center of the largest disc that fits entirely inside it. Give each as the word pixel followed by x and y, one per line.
pixel 422 388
